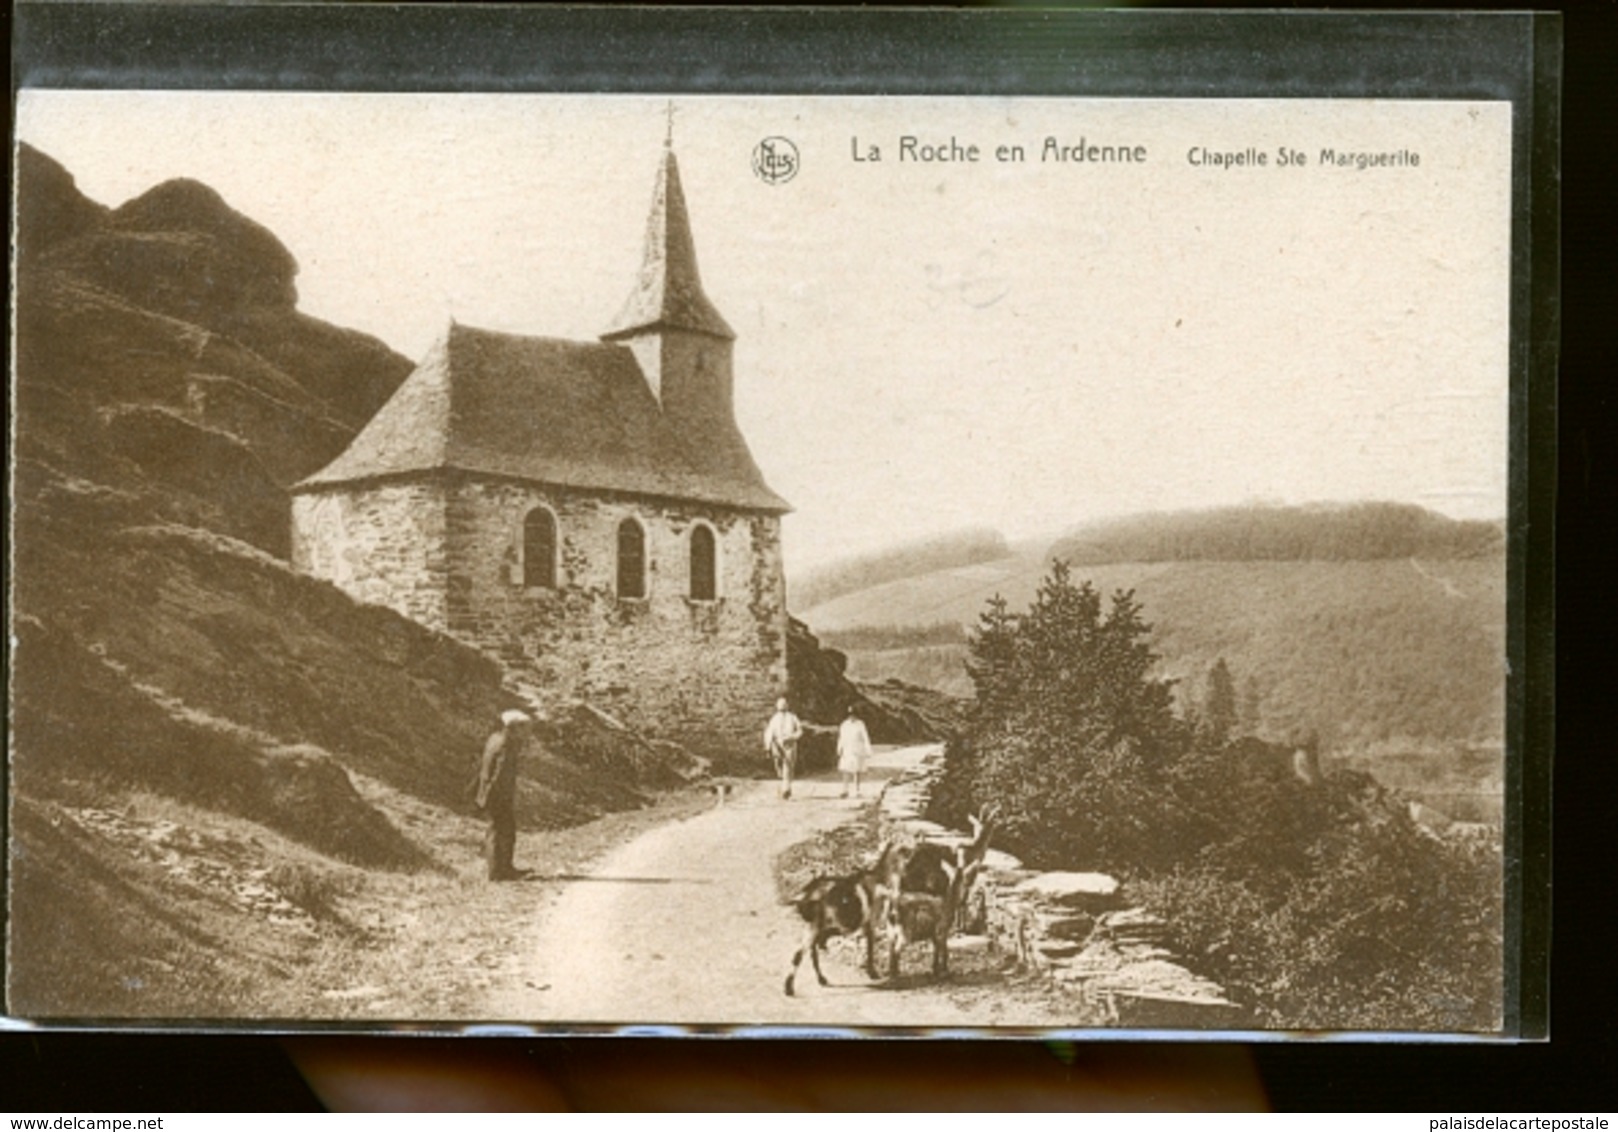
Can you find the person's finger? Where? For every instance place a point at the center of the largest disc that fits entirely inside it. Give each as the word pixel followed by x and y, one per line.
pixel 595 1074
pixel 402 1074
pixel 915 1075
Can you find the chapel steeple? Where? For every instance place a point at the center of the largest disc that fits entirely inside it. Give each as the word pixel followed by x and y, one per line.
pixel 668 293
pixel 683 346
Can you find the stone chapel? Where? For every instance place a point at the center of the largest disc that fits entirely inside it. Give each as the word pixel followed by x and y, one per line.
pixel 588 511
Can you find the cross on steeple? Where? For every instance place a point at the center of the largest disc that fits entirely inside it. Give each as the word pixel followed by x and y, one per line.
pixel 668 133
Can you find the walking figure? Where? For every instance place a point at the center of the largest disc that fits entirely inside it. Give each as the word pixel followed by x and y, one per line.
pixel 781 737
pixel 497 792
pixel 853 749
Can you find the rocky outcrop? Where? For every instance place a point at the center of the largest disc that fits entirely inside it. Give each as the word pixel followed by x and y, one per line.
pixel 176 303
pixel 821 693
pixel 180 250
pixel 928 715
pixel 50 208
pixel 1075 927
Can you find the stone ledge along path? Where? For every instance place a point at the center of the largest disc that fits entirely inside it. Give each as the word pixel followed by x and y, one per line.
pixel 682 926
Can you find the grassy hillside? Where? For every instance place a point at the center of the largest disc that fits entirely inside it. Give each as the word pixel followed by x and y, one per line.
pixel 1396 659
pixel 909 560
pixel 954 593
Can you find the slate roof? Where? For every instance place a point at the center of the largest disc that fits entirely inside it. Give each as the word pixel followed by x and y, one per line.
pixel 551 411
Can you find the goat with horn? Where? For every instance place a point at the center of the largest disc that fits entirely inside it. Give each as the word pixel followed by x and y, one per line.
pixel 912 892
pixel 920 888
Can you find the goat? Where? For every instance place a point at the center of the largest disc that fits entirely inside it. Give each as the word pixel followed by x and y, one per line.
pixel 833 906
pixel 920 888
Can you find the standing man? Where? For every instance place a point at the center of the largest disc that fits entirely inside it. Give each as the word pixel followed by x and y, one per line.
pixel 781 737
pixel 497 791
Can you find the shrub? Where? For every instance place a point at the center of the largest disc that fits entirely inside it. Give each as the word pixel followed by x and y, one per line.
pixel 1391 931
pixel 1315 901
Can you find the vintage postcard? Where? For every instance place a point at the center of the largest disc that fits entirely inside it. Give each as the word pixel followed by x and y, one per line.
pixel 726 560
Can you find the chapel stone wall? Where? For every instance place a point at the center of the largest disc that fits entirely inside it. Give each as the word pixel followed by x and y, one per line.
pixel 702 672
pixel 383 544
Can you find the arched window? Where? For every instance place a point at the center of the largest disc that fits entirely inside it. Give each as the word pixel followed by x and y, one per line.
pixel 704 572
pixel 539 548
pixel 631 559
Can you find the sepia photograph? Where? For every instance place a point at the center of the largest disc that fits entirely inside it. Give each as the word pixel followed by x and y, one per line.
pixel 761 563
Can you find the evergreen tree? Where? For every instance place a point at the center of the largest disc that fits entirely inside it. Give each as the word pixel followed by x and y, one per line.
pixel 1218 716
pixel 1071 732
pixel 991 662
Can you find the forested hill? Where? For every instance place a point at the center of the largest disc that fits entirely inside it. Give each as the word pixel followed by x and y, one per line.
pixel 1365 624
pixel 908 560
pixel 1353 532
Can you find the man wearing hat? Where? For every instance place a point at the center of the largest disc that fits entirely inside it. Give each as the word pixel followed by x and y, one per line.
pixel 781 737
pixel 497 791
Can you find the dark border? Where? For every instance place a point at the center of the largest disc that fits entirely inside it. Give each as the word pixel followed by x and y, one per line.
pixel 1465 55
pixel 776 51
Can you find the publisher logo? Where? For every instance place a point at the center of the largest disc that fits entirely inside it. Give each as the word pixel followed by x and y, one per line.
pixel 775 160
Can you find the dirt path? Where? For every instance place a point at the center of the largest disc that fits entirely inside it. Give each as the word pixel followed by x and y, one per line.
pixel 682 926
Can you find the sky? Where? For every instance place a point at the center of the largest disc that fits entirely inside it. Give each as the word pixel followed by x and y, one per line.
pixel 927 345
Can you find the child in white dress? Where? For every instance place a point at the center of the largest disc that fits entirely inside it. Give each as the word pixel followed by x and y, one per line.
pixel 853 750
